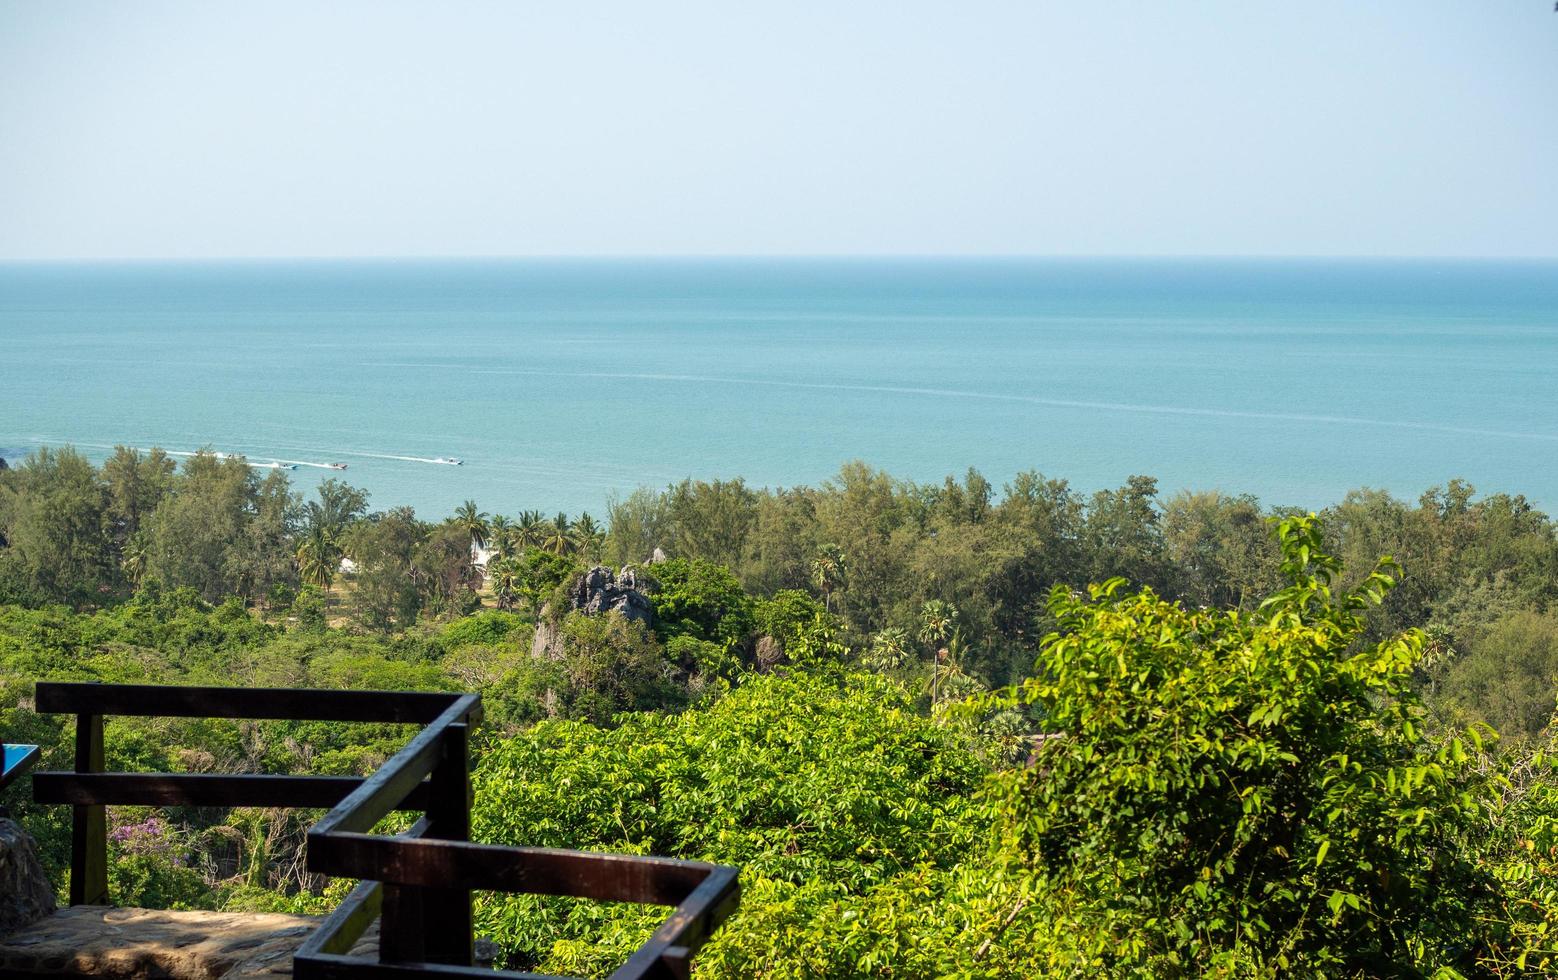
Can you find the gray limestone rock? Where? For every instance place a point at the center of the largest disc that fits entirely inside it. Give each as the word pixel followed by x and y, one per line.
pixel 599 591
pixel 25 893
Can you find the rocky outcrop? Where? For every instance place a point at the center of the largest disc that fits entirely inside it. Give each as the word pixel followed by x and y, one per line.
pixel 599 591
pixel 768 654
pixel 141 944
pixel 547 643
pixel 596 592
pixel 25 894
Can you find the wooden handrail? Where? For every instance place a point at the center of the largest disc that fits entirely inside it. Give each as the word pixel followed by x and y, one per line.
pixel 259 703
pixel 419 882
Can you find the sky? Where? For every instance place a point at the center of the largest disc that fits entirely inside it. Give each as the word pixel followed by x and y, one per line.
pixel 1197 127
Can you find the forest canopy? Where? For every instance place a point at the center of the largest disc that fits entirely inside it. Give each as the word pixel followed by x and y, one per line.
pixel 944 729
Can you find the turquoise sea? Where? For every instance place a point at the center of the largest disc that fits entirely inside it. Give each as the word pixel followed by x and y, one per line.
pixel 561 382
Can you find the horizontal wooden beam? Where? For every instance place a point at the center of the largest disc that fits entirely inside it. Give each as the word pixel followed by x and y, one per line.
pixel 487 867
pixel 203 789
pixel 668 952
pixel 281 704
pixel 325 966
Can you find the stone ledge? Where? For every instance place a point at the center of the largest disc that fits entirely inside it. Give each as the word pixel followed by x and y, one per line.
pixel 149 944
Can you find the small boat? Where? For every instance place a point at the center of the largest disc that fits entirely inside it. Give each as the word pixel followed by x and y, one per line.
pixel 336 466
pixel 450 461
pixel 274 466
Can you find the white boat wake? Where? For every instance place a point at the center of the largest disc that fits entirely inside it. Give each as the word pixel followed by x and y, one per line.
pixel 273 462
pixel 444 460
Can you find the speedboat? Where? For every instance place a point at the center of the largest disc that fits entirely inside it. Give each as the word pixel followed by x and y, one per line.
pixel 450 461
pixel 336 466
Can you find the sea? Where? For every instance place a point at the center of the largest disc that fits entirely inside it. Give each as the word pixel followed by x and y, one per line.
pixel 561 383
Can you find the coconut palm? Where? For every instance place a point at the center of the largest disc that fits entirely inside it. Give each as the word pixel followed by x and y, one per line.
pixel 829 571
pixel 558 539
pixel 501 533
pixel 134 561
pixel 318 558
pixel 507 580
pixel 474 521
pixel 530 530
pixel 588 536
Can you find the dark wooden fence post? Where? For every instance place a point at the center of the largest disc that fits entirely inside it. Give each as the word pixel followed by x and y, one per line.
pixel 89 823
pixel 447 912
pixel 433 925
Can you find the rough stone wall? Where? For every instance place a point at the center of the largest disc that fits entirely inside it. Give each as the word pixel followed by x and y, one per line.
pixel 25 893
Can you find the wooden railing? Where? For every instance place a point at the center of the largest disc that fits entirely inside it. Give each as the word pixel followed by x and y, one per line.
pixel 420 881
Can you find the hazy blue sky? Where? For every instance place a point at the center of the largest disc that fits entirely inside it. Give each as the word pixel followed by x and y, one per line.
pixel 460 128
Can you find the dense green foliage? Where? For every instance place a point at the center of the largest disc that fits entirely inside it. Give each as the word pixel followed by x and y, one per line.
pixel 933 748
pixel 1247 791
pixel 808 782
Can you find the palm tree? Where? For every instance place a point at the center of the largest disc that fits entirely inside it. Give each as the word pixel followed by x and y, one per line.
pixel 889 649
pixel 937 621
pixel 502 532
pixel 474 522
pixel 134 561
pixel 318 558
pixel 507 581
pixel 558 541
pixel 829 571
pixel 530 532
pixel 588 536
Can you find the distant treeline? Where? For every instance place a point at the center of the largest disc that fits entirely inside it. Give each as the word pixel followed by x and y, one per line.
pixel 904 569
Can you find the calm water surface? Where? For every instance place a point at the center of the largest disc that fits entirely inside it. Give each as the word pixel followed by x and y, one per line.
pixel 560 382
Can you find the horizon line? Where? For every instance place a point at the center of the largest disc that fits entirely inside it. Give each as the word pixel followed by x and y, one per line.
pixel 769 256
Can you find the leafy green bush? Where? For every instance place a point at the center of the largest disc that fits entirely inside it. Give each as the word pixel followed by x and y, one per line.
pixel 807 782
pixel 482 629
pixel 1244 793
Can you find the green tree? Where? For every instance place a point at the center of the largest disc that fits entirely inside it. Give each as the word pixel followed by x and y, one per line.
pixel 195 534
pixel 937 621
pixel 588 538
pixel 318 558
pixel 137 483
pixel 639 524
pixel 386 547
pixel 1509 676
pixel 506 579
pixel 53 511
pixel 703 600
pixel 473 521
pixel 1122 534
pixel 1225 792
pixel 711 520
pixel 829 572
pixel 1220 547
pixel 501 535
pixel 529 530
pixel 558 539
pixel 339 504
